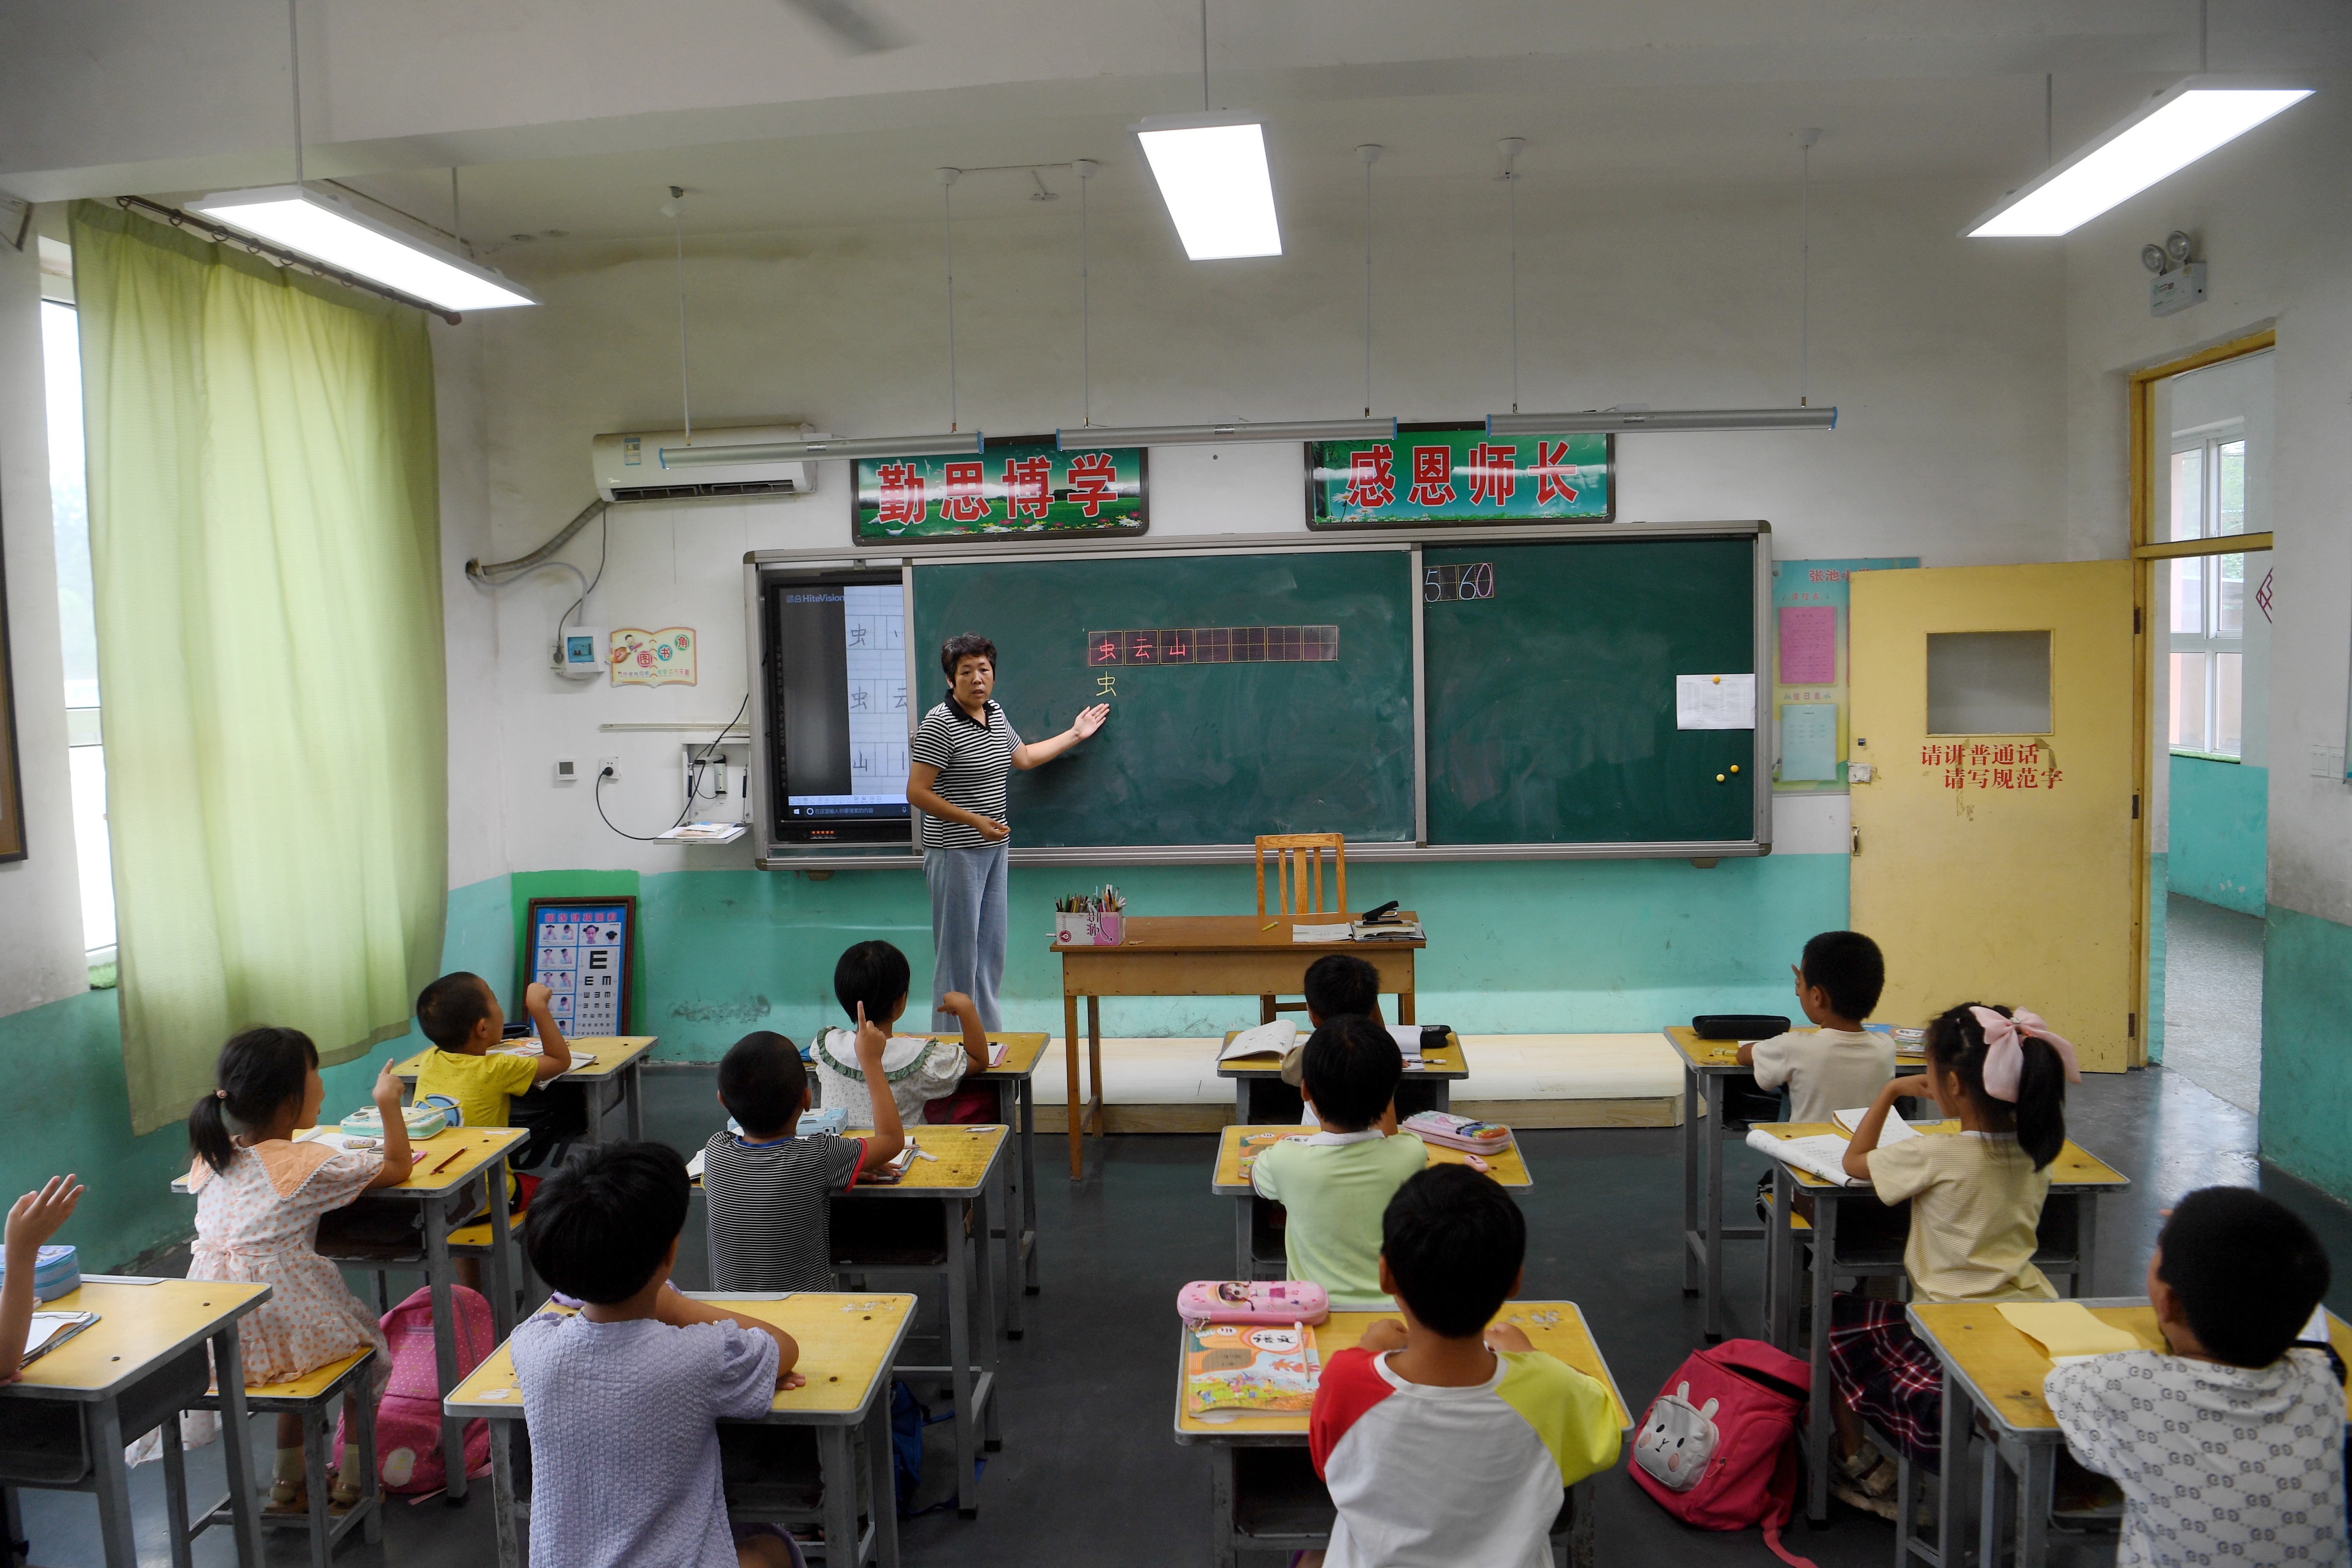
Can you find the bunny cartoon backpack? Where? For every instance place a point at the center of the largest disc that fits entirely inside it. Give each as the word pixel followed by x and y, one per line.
pixel 1718 1448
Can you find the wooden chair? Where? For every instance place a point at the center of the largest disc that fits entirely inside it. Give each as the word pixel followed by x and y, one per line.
pixel 1297 856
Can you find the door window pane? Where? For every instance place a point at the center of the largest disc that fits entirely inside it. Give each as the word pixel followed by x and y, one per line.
pixel 2231 499
pixel 2188 594
pixel 1989 683
pixel 2230 598
pixel 2229 703
pixel 2189 493
pixel 2188 702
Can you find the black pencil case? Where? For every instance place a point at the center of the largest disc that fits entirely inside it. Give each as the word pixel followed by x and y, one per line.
pixel 1738 1026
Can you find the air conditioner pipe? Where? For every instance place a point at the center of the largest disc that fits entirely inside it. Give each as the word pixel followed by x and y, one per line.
pixel 486 573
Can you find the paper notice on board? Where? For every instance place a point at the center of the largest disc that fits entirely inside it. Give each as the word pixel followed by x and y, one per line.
pixel 1808 645
pixel 1715 702
pixel 1808 740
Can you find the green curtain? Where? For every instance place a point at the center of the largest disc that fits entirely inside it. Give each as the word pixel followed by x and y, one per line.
pixel 265 538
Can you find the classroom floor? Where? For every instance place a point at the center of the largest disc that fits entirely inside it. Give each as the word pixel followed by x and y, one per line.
pixel 2213 999
pixel 1089 1474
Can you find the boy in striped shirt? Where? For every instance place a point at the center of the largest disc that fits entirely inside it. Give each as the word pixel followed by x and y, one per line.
pixel 771 1190
pixel 1448 1438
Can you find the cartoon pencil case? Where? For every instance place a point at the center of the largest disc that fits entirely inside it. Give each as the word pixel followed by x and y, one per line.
pixel 1457 1132
pixel 424 1122
pixel 56 1271
pixel 1255 1301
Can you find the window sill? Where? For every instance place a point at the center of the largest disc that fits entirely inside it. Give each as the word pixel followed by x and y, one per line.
pixel 2205 756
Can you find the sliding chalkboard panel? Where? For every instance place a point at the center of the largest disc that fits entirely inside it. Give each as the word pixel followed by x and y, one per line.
pixel 1249 693
pixel 1551 703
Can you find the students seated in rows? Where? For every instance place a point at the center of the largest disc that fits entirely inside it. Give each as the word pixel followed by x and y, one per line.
pixel 1976 1199
pixel 623 1400
pixel 768 1189
pixel 1339 985
pixel 1448 1438
pixel 258 1198
pixel 461 1016
pixel 1337 1181
pixel 1840 1064
pixel 32 1220
pixel 2232 1446
pixel 925 1076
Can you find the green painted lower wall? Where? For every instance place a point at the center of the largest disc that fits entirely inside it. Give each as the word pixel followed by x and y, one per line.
pixel 80 1120
pixel 2218 832
pixel 2307 1048
pixel 1517 947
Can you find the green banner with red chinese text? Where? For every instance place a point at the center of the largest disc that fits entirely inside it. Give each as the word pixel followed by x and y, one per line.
pixel 1022 487
pixel 1451 474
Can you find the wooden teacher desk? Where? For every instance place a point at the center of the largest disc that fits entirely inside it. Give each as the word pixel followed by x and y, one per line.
pixel 1200 955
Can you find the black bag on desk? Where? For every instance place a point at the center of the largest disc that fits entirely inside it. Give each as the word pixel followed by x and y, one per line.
pixel 1738 1026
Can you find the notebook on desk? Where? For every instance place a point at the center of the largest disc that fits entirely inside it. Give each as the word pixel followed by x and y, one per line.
pixel 51 1330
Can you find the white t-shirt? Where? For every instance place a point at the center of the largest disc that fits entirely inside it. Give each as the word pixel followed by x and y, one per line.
pixel 1826 1070
pixel 918 1070
pixel 2218 1464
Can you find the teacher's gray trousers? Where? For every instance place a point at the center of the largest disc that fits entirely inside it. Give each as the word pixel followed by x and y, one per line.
pixel 968 929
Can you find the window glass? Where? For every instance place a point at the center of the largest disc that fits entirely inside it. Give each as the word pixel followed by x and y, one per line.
pixel 2189 493
pixel 2230 598
pixel 1989 683
pixel 78 622
pixel 2188 594
pixel 2188 702
pixel 2229 723
pixel 2229 500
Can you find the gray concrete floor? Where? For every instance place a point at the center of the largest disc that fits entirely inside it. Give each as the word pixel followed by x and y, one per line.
pixel 1089 1474
pixel 2213 999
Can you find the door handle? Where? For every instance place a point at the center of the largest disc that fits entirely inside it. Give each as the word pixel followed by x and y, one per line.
pixel 1857 840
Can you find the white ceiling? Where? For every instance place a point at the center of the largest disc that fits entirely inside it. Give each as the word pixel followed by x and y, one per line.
pixel 575 115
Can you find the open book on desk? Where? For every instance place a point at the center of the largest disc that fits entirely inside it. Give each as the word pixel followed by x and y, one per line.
pixel 1270 1040
pixel 51 1330
pixel 1894 1131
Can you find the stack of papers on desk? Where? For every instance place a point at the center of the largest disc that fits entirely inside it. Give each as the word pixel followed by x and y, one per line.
pixel 1824 1154
pixel 1273 1041
pixel 2066 1330
pixel 1387 930
pixel 704 832
pixel 1338 932
pixel 530 1046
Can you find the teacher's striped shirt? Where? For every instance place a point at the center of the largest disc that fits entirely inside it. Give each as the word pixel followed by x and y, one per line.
pixel 974 762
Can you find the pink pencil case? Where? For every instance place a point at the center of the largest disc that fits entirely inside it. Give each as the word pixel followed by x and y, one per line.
pixel 1257 1301
pixel 1457 1132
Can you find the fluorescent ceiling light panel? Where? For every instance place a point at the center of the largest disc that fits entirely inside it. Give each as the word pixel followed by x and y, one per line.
pixel 1618 421
pixel 1213 174
pixel 335 235
pixel 1089 438
pixel 824 446
pixel 2183 124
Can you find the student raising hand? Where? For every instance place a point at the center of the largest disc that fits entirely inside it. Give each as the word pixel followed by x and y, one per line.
pixel 398 1159
pixel 32 1220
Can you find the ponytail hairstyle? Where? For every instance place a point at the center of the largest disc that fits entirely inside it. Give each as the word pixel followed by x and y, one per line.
pixel 1958 1043
pixel 258 1071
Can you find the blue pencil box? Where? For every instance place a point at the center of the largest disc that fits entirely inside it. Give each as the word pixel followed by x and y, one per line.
pixel 56 1271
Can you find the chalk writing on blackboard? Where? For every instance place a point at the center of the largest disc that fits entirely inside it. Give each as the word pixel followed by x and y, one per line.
pixel 1214 645
pixel 1460 580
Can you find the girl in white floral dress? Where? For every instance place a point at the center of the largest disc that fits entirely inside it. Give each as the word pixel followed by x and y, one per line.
pixel 258 1199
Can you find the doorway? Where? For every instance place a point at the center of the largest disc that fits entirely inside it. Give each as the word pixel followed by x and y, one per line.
pixel 2208 433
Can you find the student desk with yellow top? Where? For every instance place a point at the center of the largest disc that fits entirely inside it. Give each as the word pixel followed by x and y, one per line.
pixel 1261 1097
pixel 1707 1065
pixel 2068 1230
pixel 1200 955
pixel 848 1344
pixel 614 1076
pixel 1990 1368
pixel 1265 1494
pixel 1017 1071
pixel 456 1172
pixel 1252 1215
pixel 64 1425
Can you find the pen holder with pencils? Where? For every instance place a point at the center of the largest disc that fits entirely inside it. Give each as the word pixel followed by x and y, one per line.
pixel 1073 928
pixel 1109 926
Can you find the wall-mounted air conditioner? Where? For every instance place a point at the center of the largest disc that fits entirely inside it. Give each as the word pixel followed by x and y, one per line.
pixel 629 467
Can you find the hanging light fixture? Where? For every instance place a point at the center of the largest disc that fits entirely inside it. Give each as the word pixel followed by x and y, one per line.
pixel 330 231
pixel 1213 175
pixel 2172 130
pixel 1089 437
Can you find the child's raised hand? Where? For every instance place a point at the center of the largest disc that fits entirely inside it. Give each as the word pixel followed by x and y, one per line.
pixel 871 1036
pixel 959 1004
pixel 37 1216
pixel 535 997
pixel 1386 1335
pixel 388 1090
pixel 1507 1337
pixel 1915 1087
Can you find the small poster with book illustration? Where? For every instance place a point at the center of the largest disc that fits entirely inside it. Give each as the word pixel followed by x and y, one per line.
pixel 1249 1369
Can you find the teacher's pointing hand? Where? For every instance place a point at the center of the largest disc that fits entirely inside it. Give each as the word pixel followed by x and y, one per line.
pixel 1090 719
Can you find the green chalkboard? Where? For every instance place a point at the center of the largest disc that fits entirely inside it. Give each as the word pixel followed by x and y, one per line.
pixel 1200 749
pixel 1551 704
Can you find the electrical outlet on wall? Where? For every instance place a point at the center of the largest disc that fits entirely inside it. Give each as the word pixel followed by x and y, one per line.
pixel 2327 763
pixel 609 767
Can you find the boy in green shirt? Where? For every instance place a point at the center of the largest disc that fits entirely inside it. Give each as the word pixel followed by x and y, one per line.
pixel 1336 1184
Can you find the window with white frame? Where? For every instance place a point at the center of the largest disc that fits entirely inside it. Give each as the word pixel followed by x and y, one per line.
pixel 2208 595
pixel 77 606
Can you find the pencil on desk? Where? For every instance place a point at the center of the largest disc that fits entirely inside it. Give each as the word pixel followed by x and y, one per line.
pixel 446 1163
pixel 1269 925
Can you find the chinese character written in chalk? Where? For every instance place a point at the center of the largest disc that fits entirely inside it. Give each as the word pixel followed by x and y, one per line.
pixel 1106 685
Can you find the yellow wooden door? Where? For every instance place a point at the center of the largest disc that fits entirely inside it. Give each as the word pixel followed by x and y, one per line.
pixel 1998 866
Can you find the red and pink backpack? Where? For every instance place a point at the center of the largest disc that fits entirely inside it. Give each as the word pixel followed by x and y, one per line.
pixel 408 1422
pixel 1718 1448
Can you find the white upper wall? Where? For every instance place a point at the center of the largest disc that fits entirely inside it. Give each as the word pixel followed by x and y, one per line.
pixel 2271 221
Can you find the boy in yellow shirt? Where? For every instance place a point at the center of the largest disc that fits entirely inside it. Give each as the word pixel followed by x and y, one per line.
pixel 460 1014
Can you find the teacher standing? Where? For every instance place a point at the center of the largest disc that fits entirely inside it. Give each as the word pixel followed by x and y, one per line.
pixel 958 763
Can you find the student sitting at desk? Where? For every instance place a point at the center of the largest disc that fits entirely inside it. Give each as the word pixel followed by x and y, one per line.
pixel 624 1400
pixel 924 1075
pixel 1840 1064
pixel 768 1189
pixel 1976 1199
pixel 1448 1438
pixel 258 1198
pixel 461 1016
pixel 2233 1443
pixel 32 1220
pixel 1336 1183
pixel 1339 985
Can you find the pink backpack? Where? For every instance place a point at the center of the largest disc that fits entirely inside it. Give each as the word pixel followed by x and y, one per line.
pixel 408 1422
pixel 1717 1449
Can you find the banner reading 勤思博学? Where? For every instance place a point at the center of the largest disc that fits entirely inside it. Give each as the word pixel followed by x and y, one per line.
pixel 1022 487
